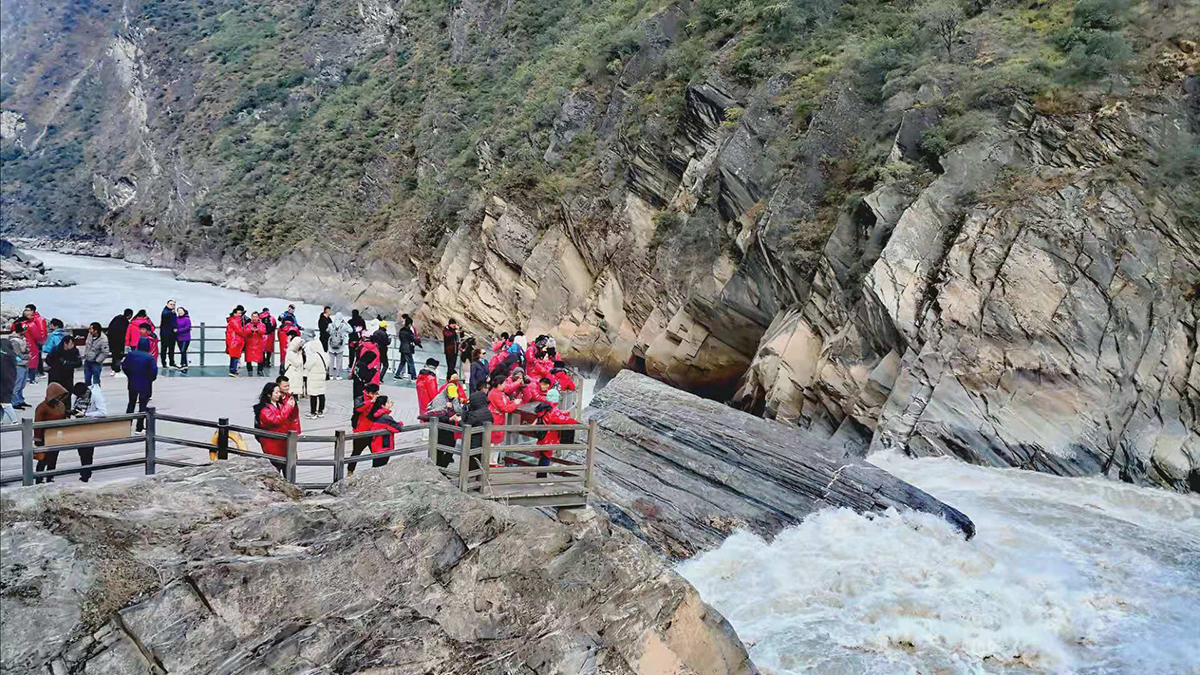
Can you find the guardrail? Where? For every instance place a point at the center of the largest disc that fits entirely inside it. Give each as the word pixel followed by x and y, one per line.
pixel 518 480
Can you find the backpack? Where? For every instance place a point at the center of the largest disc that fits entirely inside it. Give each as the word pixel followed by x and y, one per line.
pixel 269 322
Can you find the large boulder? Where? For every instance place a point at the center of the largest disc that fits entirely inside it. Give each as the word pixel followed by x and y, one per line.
pixel 228 569
pixel 683 472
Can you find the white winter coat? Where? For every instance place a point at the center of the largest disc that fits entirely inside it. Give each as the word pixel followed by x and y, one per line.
pixel 316 366
pixel 293 365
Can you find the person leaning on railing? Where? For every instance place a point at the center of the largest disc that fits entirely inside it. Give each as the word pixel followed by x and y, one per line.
pixel 89 402
pixel 274 412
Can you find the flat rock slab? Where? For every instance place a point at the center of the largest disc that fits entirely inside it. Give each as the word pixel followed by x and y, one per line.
pixel 227 569
pixel 684 472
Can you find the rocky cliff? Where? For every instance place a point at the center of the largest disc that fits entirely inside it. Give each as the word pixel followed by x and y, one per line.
pixel 227 569
pixel 956 228
pixel 20 270
pixel 684 472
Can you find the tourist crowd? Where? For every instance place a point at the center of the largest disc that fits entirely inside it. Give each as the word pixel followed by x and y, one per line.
pixel 483 383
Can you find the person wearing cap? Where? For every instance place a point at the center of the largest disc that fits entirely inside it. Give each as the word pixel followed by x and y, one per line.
pixel 427 385
pixel 550 414
pixel 381 338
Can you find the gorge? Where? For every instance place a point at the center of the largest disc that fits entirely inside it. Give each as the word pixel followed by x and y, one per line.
pixel 986 248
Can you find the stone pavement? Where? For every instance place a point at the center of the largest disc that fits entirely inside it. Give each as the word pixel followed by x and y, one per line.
pixel 210 398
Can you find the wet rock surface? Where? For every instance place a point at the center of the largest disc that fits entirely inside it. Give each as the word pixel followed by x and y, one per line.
pixel 684 472
pixel 20 270
pixel 226 569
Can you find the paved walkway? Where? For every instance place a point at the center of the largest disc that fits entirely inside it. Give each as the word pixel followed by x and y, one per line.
pixel 211 398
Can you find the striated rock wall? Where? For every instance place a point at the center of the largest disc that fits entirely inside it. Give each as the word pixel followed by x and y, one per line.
pixel 228 569
pixel 1029 308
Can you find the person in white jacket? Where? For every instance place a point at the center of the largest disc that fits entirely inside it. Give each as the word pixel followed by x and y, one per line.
pixel 89 402
pixel 293 365
pixel 338 333
pixel 316 367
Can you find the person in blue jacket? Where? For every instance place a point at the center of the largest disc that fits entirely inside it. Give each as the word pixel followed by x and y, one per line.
pixel 141 370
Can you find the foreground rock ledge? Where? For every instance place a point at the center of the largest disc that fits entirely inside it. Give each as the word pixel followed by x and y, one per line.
pixel 684 472
pixel 226 569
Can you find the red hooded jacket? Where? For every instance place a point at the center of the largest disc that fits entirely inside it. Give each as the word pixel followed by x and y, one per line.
pixel 133 333
pixel 256 341
pixel 235 337
pixel 554 416
pixel 281 419
pixel 284 328
pixel 385 442
pixel 268 321
pixel 36 334
pixel 565 383
pixel 499 405
pixel 427 389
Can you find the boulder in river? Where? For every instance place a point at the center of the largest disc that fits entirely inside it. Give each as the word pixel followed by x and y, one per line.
pixel 684 472
pixel 228 569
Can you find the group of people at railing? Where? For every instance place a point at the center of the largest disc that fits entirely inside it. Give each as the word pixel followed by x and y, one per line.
pixel 518 371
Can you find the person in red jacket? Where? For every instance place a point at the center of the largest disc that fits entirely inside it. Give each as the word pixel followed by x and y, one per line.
pixel 500 404
pixel 360 422
pixel 561 377
pixel 284 334
pixel 549 414
pixel 380 418
pixel 502 344
pixel 540 366
pixel 35 334
pixel 276 412
pixel 427 385
pixel 269 323
pixel 132 334
pixel 536 391
pixel 146 330
pixel 235 340
pixel 256 340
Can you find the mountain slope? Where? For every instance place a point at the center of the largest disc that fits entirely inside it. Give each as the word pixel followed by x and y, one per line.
pixel 775 200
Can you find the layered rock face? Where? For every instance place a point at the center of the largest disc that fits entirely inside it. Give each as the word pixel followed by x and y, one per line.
pixel 1030 308
pixel 227 569
pixel 684 472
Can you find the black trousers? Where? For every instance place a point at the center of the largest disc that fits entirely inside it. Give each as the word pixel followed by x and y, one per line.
pixel 313 402
pixel 85 459
pixel 360 445
pixel 450 365
pixel 168 349
pixel 382 461
pixel 48 462
pixel 118 352
pixel 141 401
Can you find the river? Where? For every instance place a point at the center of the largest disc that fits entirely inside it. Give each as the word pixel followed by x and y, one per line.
pixel 105 286
pixel 1064 576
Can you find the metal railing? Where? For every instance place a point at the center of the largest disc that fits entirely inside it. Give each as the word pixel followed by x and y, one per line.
pixel 518 480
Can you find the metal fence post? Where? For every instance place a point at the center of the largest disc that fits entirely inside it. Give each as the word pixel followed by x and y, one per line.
pixel 433 434
pixel 591 454
pixel 150 449
pixel 222 451
pixel 339 455
pixel 26 451
pixel 290 466
pixel 202 344
pixel 463 456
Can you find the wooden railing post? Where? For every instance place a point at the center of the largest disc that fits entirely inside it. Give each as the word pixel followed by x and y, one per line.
pixel 222 451
pixel 463 456
pixel 150 447
pixel 433 434
pixel 289 472
pixel 339 455
pixel 27 464
pixel 485 460
pixel 591 454
pixel 203 342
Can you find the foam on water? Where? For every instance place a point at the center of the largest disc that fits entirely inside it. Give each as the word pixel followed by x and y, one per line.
pixel 1065 575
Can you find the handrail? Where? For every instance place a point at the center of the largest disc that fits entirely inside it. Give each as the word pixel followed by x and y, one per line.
pixel 473 450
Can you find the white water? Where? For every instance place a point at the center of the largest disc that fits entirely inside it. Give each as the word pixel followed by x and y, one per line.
pixel 106 286
pixel 1064 576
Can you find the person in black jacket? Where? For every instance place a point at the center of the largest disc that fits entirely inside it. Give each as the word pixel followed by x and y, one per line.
pixel 479 370
pixel 61 364
pixel 8 380
pixel 167 323
pixel 408 343
pixel 358 326
pixel 116 337
pixel 450 345
pixel 381 338
pixel 323 324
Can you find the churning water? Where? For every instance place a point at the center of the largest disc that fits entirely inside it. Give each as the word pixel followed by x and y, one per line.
pixel 1064 576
